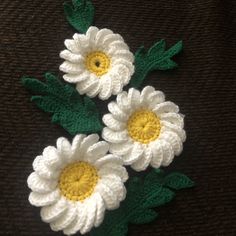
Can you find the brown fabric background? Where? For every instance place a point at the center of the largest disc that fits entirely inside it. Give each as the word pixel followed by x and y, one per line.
pixel 32 34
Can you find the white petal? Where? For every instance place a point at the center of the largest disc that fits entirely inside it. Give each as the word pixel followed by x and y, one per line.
pixel 170 127
pixel 86 85
pixel 112 123
pixel 134 154
pixel 117 82
pixel 117 112
pixel 101 35
pixel 91 33
pixel 51 157
pixel 168 153
pixel 114 136
pixel 74 58
pixel 64 149
pixel 165 107
pixel 145 93
pixel 157 154
pixel 69 67
pixel 123 102
pixel 40 185
pixel 75 147
pixel 142 163
pixel 121 61
pixel 82 43
pixel 108 159
pixel 98 149
pixel 100 209
pixel 117 45
pixel 125 54
pixel 71 45
pixel 121 148
pixel 43 199
pixel 134 97
pixel 155 98
pixel 65 219
pixel 53 212
pixel 42 170
pixel 76 78
pixel 111 38
pixel 174 118
pixel 95 91
pixel 110 169
pixel 109 197
pixel 173 139
pixel 124 73
pixel 106 88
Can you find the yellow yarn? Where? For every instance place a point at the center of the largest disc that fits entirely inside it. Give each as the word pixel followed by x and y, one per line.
pixel 98 63
pixel 144 126
pixel 78 180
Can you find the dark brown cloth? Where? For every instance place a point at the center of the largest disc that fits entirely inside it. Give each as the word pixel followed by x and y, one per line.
pixel 32 33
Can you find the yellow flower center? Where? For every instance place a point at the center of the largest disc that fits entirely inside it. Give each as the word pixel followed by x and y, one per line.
pixel 98 63
pixel 78 180
pixel 144 126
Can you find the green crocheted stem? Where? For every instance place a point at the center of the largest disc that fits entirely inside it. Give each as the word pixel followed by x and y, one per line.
pixel 69 109
pixel 156 58
pixel 155 190
pixel 79 14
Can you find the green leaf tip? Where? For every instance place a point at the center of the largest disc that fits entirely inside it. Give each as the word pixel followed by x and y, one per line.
pixel 156 58
pixel 73 112
pixel 80 14
pixel 143 194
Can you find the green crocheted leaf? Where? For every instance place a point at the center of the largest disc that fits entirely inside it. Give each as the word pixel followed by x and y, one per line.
pixel 70 110
pixel 79 14
pixel 143 194
pixel 178 181
pixel 156 58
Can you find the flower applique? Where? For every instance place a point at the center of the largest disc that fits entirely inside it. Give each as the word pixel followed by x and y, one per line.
pixel 83 186
pixel 144 128
pixel 75 183
pixel 99 62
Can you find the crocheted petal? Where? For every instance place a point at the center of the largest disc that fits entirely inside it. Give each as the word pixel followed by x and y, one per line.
pixel 108 159
pixel 173 118
pixel 86 143
pixel 174 128
pixel 145 93
pixel 93 92
pixel 110 39
pixel 112 123
pixel 98 149
pixel 72 68
pixel 157 154
pixel 123 102
pixel 117 82
pixel 40 185
pixel 106 88
pixel 168 153
pixel 165 107
pixel 134 154
pixel 91 34
pixel 124 54
pixel 124 72
pixel 100 210
pixel 51 157
pixel 174 140
pixel 134 97
pixel 64 149
pixel 117 170
pixel 114 136
pixel 76 143
pixel 109 197
pixel 71 45
pixel 117 45
pixel 86 85
pixel 122 61
pixel 78 222
pixel 142 163
pixel 117 112
pixel 155 98
pixel 101 35
pixel 76 78
pixel 55 211
pixel 91 208
pixel 82 43
pixel 44 199
pixel 121 148
pixel 65 219
pixel 72 57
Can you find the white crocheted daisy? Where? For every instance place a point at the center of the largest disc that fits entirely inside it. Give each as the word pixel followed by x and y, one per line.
pixel 144 129
pixel 99 62
pixel 75 183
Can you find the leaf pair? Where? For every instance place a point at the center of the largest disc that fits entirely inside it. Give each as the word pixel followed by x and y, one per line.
pixel 155 190
pixel 70 110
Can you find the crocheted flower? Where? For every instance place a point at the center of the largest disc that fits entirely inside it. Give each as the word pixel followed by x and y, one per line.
pixel 144 129
pixel 75 183
pixel 99 62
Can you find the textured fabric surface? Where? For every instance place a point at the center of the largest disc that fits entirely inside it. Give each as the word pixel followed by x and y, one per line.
pixel 31 37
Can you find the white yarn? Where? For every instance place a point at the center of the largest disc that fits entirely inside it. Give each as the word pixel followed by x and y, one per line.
pixel 76 216
pixel 121 63
pixel 159 152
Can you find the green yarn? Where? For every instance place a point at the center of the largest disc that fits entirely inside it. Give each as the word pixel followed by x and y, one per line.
pixel 79 14
pixel 155 59
pixel 70 110
pixel 143 194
